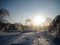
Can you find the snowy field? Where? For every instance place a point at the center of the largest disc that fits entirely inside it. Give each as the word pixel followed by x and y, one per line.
pixel 27 38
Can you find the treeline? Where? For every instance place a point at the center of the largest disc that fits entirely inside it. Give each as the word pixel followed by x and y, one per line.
pixel 8 27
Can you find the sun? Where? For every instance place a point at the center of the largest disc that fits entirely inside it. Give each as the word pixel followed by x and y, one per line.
pixel 38 20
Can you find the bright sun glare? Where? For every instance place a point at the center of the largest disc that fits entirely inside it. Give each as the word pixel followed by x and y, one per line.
pixel 38 20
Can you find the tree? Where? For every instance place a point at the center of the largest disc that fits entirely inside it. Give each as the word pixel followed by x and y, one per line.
pixel 27 21
pixel 56 27
pixel 56 23
pixel 56 20
pixel 3 14
pixel 47 23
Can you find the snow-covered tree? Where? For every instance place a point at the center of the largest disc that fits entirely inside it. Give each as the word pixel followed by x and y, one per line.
pixel 3 14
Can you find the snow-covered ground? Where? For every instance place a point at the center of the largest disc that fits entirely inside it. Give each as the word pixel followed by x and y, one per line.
pixel 11 33
pixel 27 38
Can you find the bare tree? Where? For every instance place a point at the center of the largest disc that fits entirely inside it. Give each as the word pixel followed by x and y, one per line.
pixel 27 21
pixel 3 14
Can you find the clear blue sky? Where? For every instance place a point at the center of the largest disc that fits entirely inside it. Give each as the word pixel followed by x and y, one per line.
pixel 20 10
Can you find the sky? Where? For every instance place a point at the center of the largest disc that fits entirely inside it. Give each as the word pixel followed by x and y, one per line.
pixel 20 10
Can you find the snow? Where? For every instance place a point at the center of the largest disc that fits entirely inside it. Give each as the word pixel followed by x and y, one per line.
pixel 11 33
pixel 27 38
